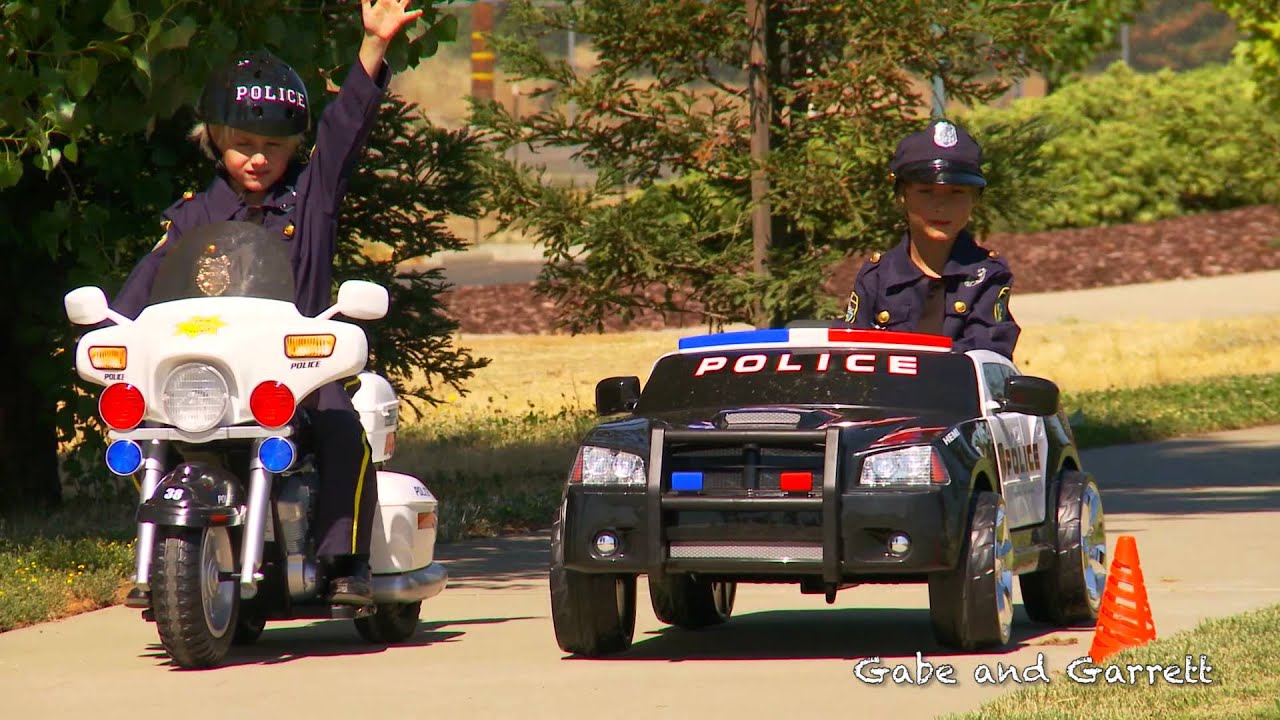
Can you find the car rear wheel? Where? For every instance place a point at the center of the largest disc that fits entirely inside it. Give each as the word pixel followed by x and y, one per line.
pixel 971 606
pixel 689 602
pixel 1069 591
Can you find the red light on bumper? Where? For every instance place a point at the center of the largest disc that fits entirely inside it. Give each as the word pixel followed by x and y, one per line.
pixel 796 482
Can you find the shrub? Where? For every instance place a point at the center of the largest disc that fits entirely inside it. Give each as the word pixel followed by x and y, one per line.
pixel 1125 147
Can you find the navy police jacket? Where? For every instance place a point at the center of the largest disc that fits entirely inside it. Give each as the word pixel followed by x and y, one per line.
pixel 890 291
pixel 302 206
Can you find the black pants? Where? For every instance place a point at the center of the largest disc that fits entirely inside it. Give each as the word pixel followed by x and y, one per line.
pixel 348 492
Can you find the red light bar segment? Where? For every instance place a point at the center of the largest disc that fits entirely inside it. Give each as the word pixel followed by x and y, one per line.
pixel 888 337
pixel 796 482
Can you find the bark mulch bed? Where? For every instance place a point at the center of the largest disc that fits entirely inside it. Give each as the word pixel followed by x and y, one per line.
pixel 1219 243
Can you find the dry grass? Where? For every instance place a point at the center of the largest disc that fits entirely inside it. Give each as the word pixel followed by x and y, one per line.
pixel 551 373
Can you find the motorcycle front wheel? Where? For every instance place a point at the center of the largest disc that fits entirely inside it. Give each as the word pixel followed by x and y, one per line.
pixel 193 595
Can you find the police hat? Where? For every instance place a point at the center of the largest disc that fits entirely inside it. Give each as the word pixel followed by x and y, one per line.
pixel 941 153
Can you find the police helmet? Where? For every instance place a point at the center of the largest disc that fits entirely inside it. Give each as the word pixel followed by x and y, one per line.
pixel 942 154
pixel 257 92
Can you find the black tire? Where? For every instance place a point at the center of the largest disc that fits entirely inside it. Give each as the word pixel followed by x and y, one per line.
pixel 1069 591
pixel 196 615
pixel 248 630
pixel 391 623
pixel 593 614
pixel 691 603
pixel 971 606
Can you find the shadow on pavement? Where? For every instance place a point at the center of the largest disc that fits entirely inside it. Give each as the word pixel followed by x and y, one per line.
pixel 328 638
pixel 848 634
pixel 1188 476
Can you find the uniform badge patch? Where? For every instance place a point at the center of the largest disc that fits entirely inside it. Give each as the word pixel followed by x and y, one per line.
pixel 944 135
pixel 1001 310
pixel 976 279
pixel 851 311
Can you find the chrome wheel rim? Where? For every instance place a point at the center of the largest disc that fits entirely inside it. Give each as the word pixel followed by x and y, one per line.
pixel 217 596
pixel 723 595
pixel 1003 570
pixel 1093 545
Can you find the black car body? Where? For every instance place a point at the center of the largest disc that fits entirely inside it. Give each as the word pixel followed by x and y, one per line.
pixel 828 457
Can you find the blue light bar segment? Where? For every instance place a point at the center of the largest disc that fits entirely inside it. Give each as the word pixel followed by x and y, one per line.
pixel 276 454
pixel 124 457
pixel 740 337
pixel 684 481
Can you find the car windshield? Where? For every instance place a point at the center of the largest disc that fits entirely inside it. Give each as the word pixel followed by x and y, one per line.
pixel 225 259
pixel 900 380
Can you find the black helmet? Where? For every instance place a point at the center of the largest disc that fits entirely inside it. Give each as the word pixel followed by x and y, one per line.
pixel 259 93
pixel 942 153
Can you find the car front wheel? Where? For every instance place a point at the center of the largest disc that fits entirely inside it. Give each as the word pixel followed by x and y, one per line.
pixel 971 605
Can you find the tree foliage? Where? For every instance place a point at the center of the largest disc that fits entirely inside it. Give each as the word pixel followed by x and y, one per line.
pixel 1259 24
pixel 95 103
pixel 661 122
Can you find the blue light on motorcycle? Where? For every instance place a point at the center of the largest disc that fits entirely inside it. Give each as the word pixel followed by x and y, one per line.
pixel 277 454
pixel 124 457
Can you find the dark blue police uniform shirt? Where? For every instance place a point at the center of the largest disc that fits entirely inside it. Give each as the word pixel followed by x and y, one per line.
pixel 302 206
pixel 890 292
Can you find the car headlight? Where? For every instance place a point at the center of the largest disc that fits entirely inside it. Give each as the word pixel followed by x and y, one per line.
pixel 919 465
pixel 606 466
pixel 195 397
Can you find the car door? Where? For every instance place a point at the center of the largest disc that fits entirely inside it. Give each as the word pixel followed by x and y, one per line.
pixel 1021 451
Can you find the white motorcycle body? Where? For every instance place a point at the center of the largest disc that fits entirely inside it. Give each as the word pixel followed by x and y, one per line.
pixel 194 364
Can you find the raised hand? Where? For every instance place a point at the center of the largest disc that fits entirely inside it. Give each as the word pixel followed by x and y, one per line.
pixel 384 18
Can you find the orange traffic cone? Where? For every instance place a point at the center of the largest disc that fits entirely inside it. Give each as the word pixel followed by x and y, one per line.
pixel 1124 620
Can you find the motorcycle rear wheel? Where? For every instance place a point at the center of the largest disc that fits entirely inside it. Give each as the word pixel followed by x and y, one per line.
pixel 196 611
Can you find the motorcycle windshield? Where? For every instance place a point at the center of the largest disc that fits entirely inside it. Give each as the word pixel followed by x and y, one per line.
pixel 225 259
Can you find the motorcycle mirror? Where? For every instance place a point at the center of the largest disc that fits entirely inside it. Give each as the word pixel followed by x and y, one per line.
pixel 88 306
pixel 360 300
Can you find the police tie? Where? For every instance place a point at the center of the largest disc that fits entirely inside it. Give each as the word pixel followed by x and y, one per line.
pixel 931 317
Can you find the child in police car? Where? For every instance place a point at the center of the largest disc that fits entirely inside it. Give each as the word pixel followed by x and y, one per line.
pixel 254 115
pixel 937 280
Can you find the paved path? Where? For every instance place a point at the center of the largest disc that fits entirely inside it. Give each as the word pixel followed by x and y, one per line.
pixel 1195 298
pixel 1204 512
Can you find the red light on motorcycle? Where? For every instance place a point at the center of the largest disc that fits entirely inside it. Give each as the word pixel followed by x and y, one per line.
pixel 427 520
pixel 272 404
pixel 122 406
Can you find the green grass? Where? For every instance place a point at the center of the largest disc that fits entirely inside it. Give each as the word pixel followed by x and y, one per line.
pixel 59 564
pixel 1111 417
pixel 1242 650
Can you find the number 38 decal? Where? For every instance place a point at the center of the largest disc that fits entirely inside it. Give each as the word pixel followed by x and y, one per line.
pixel 173 493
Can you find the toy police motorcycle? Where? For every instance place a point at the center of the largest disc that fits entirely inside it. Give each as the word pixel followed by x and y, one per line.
pixel 200 399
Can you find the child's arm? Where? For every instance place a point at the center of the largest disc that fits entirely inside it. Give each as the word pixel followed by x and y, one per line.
pixel 990 324
pixel 344 127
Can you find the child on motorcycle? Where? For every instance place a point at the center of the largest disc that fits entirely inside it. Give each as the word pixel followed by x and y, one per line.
pixel 938 280
pixel 254 113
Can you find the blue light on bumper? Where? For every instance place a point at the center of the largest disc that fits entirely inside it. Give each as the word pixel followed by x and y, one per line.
pixel 685 481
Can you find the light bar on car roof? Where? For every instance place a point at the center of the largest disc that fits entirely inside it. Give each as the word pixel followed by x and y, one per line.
pixel 817 337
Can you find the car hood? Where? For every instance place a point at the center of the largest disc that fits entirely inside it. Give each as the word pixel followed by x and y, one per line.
pixel 861 428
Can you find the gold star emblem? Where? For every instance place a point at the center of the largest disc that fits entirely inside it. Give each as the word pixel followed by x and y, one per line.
pixel 200 326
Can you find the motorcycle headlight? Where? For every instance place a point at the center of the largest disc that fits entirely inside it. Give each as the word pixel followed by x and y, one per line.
pixel 195 397
pixel 919 465
pixel 606 466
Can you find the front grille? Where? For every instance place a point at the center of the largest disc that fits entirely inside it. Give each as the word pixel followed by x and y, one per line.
pixel 743 469
pixel 746 551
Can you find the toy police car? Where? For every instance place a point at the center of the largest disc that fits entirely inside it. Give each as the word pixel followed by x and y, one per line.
pixel 827 457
